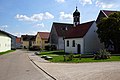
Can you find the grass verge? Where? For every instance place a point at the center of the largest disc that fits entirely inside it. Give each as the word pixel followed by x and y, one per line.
pixel 58 58
pixel 1 53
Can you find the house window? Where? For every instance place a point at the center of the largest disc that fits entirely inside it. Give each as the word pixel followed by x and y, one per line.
pixel 67 43
pixel 73 43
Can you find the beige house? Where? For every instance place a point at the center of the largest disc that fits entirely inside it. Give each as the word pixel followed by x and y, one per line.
pixel 27 41
pixel 42 39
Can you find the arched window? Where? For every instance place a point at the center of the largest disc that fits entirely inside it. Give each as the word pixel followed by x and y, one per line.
pixel 67 43
pixel 73 43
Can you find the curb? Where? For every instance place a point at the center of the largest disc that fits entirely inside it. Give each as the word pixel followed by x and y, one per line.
pixel 41 68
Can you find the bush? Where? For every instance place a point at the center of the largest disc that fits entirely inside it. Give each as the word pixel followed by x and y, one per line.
pixel 34 48
pixel 102 54
pixel 47 47
pixel 71 55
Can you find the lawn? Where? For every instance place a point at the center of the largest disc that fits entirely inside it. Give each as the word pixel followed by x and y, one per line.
pixel 1 53
pixel 58 57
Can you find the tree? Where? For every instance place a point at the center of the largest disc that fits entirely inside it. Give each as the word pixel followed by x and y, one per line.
pixel 109 31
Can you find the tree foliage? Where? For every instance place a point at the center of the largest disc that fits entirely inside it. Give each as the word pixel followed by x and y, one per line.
pixel 109 31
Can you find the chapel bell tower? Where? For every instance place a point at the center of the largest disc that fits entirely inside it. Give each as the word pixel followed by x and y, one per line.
pixel 76 17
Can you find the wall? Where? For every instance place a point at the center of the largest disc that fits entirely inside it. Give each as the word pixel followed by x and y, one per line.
pixel 38 40
pixel 13 41
pixel 44 44
pixel 5 42
pixel 92 42
pixel 53 37
pixel 71 49
pixel 60 43
pixel 25 44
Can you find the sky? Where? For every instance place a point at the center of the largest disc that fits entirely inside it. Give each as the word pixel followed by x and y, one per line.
pixel 21 17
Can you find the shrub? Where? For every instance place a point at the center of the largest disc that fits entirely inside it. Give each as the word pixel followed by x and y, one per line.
pixel 71 56
pixel 34 48
pixel 102 54
pixel 47 47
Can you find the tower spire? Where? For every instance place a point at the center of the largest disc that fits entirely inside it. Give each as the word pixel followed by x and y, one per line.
pixel 76 17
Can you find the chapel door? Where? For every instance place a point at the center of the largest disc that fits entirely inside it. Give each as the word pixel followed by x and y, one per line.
pixel 78 49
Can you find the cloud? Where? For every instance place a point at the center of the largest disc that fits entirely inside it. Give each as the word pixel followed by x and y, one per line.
pixel 35 17
pixel 106 4
pixel 39 25
pixel 3 27
pixel 64 16
pixel 84 2
pixel 60 1
pixel 18 34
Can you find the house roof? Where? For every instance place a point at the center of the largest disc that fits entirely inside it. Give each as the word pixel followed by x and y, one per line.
pixel 108 12
pixel 104 13
pixel 44 35
pixel 59 27
pixel 28 37
pixel 5 33
pixel 78 31
pixel 18 40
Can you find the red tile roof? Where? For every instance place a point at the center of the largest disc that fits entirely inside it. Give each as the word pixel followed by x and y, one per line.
pixel 18 40
pixel 78 31
pixel 44 35
pixel 59 27
pixel 107 12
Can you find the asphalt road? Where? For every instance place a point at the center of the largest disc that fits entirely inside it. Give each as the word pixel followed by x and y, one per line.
pixel 17 66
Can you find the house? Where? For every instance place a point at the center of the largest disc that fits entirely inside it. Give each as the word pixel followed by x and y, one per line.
pixel 5 41
pixel 18 43
pixel 82 39
pixel 104 13
pixel 42 39
pixel 13 41
pixel 27 41
pixel 57 34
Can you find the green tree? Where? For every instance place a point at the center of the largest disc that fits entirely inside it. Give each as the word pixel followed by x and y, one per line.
pixel 109 31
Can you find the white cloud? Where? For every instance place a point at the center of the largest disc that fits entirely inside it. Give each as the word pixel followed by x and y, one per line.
pixel 47 15
pixel 106 4
pixel 64 16
pixel 84 2
pixel 60 1
pixel 35 17
pixel 39 25
pixel 18 34
pixel 3 27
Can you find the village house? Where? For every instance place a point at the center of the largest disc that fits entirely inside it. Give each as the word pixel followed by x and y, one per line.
pixel 57 34
pixel 18 43
pixel 27 41
pixel 13 41
pixel 104 13
pixel 42 39
pixel 5 41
